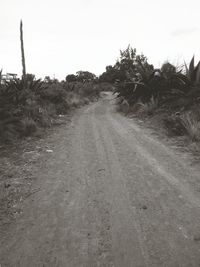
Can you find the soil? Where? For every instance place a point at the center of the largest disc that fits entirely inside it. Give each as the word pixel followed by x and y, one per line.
pixel 103 191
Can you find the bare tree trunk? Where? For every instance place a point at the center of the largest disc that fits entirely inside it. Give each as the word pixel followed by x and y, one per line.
pixel 22 51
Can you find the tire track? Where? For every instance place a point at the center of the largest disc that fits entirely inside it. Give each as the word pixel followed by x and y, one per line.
pixel 178 233
pixel 124 216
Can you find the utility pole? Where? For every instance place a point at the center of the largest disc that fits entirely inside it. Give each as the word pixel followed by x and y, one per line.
pixel 22 51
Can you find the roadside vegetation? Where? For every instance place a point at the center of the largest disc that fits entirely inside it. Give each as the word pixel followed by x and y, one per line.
pixel 28 104
pixel 169 95
pixel 28 108
pixel 172 93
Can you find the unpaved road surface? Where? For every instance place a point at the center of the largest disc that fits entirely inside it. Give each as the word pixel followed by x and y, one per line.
pixel 110 194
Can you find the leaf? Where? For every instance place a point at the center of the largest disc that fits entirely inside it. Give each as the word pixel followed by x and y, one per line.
pixel 197 80
pixel 191 67
pixel 0 76
pixel 186 69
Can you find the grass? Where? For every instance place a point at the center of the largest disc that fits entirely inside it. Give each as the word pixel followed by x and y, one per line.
pixel 191 125
pixel 183 123
pixel 139 108
pixel 147 109
pixel 180 125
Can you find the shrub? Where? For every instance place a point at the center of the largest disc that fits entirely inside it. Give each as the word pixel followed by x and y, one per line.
pixel 71 78
pixel 29 126
pixel 191 125
pixel 27 103
pixel 183 124
pixel 148 108
pixel 173 125
pixel 9 129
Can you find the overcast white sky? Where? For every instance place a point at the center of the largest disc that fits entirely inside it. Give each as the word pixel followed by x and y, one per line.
pixel 63 36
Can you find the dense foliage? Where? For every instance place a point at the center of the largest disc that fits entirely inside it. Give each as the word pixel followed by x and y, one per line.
pixel 138 81
pixel 173 93
pixel 27 103
pixel 81 76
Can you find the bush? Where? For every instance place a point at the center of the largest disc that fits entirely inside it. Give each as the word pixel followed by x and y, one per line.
pixel 29 126
pixel 148 109
pixel 187 123
pixel 10 128
pixel 174 125
pixel 191 125
pixel 27 103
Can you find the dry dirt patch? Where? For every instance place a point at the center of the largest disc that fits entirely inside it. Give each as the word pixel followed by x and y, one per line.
pixel 19 163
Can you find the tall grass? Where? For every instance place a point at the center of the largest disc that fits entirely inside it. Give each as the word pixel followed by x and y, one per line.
pixel 147 108
pixel 191 125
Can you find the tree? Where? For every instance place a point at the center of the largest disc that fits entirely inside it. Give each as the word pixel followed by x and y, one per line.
pixel 85 76
pixel 71 78
pixel 127 68
pixel 111 75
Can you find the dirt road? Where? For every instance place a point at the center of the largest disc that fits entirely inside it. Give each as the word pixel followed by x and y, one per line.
pixel 110 194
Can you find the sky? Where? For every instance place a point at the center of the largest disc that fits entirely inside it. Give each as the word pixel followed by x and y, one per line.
pixel 64 36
